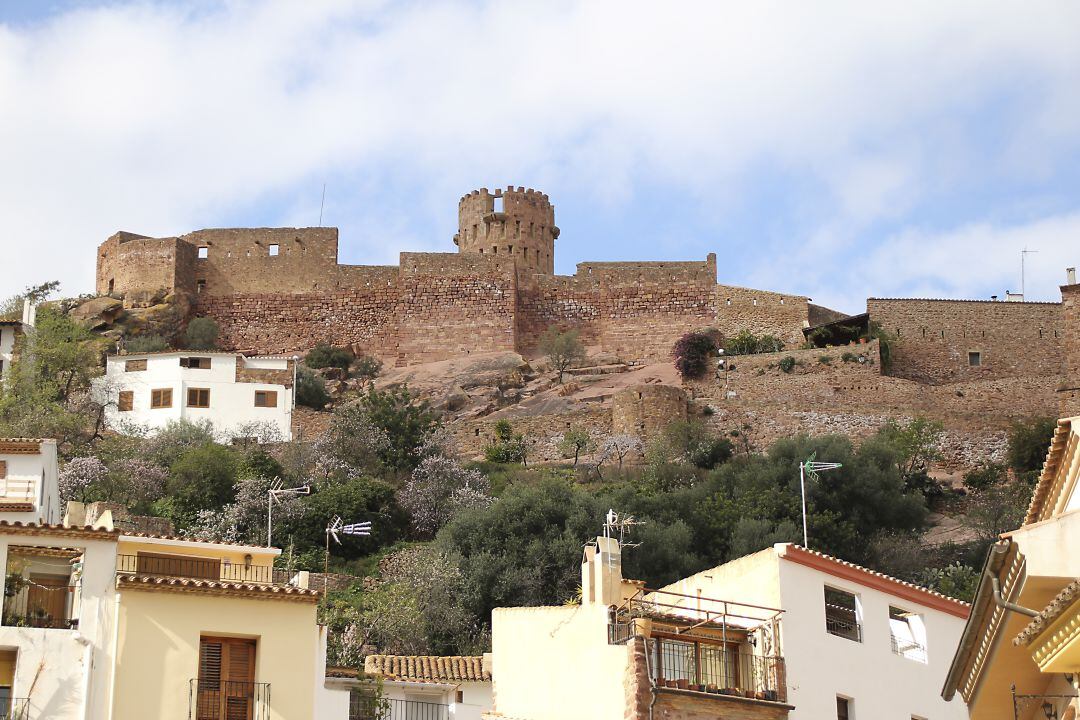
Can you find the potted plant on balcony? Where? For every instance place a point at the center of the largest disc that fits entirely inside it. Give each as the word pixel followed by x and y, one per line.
pixel 712 688
pixel 682 684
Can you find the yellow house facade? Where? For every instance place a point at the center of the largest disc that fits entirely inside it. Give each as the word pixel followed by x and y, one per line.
pixel 1019 657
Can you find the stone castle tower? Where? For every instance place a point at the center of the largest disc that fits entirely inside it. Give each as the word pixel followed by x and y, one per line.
pixel 517 222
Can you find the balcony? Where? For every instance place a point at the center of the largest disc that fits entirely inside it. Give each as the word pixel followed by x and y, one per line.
pixel 228 700
pixel 199 569
pixel 906 647
pixel 842 622
pixel 365 706
pixel 718 669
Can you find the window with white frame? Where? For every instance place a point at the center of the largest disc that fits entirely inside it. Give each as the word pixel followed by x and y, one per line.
pixel 908 634
pixel 842 614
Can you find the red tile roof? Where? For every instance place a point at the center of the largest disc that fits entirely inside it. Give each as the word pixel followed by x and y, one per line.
pixel 428 668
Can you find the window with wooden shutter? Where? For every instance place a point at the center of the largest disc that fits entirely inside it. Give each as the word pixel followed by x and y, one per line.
pixel 126 401
pixel 3 469
pixel 134 365
pixel 226 679
pixel 161 398
pixel 266 398
pixel 195 363
pixel 198 397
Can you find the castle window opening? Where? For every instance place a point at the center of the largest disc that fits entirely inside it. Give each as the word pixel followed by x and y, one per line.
pixel 510 249
pixel 204 252
pixel 200 285
pixel 497 204
pixel 274 249
pixel 975 358
pixel 110 286
pixel 477 432
pixel 781 301
pixel 729 301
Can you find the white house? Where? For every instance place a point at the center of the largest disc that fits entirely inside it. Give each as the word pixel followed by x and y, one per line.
pixel 11 335
pixel 57 639
pixel 28 475
pixel 413 687
pixel 856 643
pixel 239 395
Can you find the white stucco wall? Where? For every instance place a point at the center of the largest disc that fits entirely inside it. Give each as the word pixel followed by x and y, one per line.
pixel 37 475
pixel 7 347
pixel 232 403
pixel 881 684
pixel 332 702
pixel 67 674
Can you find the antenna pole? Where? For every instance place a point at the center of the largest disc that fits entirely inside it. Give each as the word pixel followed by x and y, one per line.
pixel 1023 271
pixel 802 487
pixel 322 203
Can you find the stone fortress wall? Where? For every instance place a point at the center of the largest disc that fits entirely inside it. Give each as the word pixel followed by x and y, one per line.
pixel 282 290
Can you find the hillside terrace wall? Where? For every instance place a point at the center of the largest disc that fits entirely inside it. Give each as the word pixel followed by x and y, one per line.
pixel 934 337
pixel 762 313
pixel 544 431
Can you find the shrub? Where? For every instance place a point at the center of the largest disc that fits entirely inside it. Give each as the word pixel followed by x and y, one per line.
pixel 1028 443
pixel 563 349
pixel 747 343
pixel 849 357
pixel 787 363
pixel 574 442
pixel 825 359
pixel 201 334
pixel 984 476
pixel 692 353
pixel 146 344
pixel 324 355
pixel 310 389
pixel 368 367
pixel 508 447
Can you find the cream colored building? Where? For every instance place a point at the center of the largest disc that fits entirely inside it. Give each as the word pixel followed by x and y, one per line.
pixel 100 625
pixel 1024 630
pixel 628 653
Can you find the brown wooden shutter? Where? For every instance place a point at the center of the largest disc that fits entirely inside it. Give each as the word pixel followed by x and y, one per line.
pixel 126 401
pixel 3 469
pixel 210 652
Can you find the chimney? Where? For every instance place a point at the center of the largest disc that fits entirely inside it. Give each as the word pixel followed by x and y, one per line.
pixel 601 572
pixel 29 313
pixel 1070 276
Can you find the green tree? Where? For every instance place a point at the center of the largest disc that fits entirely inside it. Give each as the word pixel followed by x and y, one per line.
pixel 310 389
pixel 406 422
pixel 563 349
pixel 574 442
pixel 508 447
pixel 201 334
pixel 1029 441
pixel 354 500
pixel 203 478
pixel 325 355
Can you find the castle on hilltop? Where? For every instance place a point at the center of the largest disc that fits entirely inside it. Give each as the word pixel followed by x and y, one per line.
pixel 278 290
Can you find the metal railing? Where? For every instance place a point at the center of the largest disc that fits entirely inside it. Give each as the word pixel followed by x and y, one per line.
pixel 228 700
pixel 718 669
pixel 365 706
pixel 22 610
pixel 14 709
pixel 842 622
pixel 200 569
pixel 909 648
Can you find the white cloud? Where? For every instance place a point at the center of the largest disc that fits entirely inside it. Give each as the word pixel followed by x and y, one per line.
pixel 159 120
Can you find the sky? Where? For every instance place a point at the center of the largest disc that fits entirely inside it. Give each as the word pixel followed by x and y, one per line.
pixel 840 150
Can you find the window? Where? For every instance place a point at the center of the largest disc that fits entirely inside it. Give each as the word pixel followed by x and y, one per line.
pixel 266 398
pixel 161 398
pixel 126 401
pixel 195 363
pixel 226 684
pixel 3 469
pixel 112 283
pixel 842 614
pixel 908 633
pixel 497 204
pixel 974 358
pixel 134 365
pixel 200 285
pixel 204 252
pixel 460 696
pixel 274 249
pixel 198 397
pixel 843 708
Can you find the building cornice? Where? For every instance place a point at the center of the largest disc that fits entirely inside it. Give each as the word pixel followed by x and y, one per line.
pixel 214 588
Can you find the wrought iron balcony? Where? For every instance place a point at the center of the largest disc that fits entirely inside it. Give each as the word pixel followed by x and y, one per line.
pixel 26 610
pixel 365 706
pixel 228 700
pixel 909 649
pixel 842 622
pixel 14 708
pixel 718 669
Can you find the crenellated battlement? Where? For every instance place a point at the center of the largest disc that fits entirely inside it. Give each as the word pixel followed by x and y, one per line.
pixel 516 222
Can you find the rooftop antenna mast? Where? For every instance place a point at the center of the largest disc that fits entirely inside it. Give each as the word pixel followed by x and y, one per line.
pixel 1023 256
pixel 811 468
pixel 322 203
pixel 277 488
pixel 620 525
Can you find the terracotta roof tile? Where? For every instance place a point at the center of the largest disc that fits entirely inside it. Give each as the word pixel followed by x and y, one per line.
pixel 1054 456
pixel 126 535
pixel 428 668
pixel 228 588
pixel 61 530
pixel 1050 613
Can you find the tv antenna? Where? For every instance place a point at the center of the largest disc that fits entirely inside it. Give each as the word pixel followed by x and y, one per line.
pixel 336 528
pixel 277 488
pixel 811 468
pixel 322 203
pixel 614 523
pixel 1023 256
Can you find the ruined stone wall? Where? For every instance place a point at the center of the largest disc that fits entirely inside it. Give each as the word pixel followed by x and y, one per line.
pixel 266 376
pixel 433 307
pixel 634 310
pixel 935 337
pixel 644 411
pixel 240 260
pixel 1069 390
pixel 543 431
pixel 762 313
pixel 143 269
pixel 523 228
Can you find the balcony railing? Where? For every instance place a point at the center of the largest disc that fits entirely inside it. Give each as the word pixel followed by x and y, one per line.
pixel 46 608
pixel 14 708
pixel 842 622
pixel 228 700
pixel 909 649
pixel 719 669
pixel 200 569
pixel 365 706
